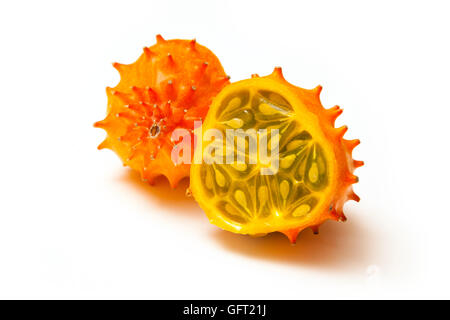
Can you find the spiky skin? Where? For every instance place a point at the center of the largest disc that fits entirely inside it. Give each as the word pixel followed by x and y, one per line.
pixel 170 86
pixel 306 112
pixel 346 165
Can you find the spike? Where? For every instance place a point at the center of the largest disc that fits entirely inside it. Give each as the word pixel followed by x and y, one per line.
pixel 220 81
pixel 351 178
pixel 186 95
pixel 358 163
pixel 173 181
pixel 122 96
pixel 141 172
pixel 201 70
pixel 334 215
pixel 338 215
pixel 255 75
pixel 291 234
pixel 278 73
pixel 152 94
pixel 148 53
pixel 192 44
pixel 126 115
pixel 137 91
pixel 317 90
pixel 132 155
pixel 334 113
pixel 353 196
pixel 117 66
pixel 103 145
pixel 341 131
pixel 170 59
pixel 351 144
pixel 333 109
pixel 170 89
pixel 100 124
pixel 159 39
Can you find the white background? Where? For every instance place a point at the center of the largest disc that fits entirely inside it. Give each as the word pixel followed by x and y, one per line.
pixel 75 224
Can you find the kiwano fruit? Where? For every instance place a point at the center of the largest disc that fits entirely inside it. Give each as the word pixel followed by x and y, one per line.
pixel 170 86
pixel 315 167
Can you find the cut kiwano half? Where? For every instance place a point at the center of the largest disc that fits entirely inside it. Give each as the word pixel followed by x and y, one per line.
pixel 170 86
pixel 315 168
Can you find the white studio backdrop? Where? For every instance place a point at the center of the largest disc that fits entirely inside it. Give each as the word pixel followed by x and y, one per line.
pixel 75 224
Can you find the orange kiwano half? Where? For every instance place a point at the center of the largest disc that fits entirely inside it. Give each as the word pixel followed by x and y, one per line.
pixel 170 86
pixel 307 182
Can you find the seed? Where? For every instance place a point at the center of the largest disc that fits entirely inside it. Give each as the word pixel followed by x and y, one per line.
pixel 208 180
pixel 239 195
pixel 313 174
pixel 239 166
pixel 267 109
pixel 294 145
pixel 230 209
pixel 235 123
pixel 277 99
pixel 286 162
pixel 234 103
pixel 276 138
pixel 220 179
pixel 284 189
pixel 155 130
pixel 263 195
pixel 301 210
